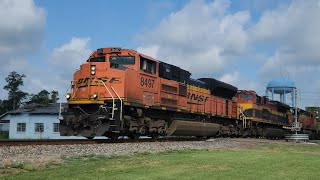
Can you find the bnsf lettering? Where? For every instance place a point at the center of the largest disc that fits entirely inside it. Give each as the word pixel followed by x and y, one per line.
pixel 113 80
pixel 197 97
pixel 104 79
pixel 80 81
pixel 147 82
pixel 86 80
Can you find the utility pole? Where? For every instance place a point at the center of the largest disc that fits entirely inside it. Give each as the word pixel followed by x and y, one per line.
pixel 296 125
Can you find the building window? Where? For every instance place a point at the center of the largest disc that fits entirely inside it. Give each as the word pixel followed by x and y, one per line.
pixel 56 127
pixel 38 127
pixel 21 127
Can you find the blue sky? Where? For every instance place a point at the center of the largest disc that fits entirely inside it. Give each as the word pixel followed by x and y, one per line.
pixel 246 43
pixel 107 23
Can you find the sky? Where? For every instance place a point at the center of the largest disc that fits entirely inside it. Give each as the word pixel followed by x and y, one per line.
pixel 245 43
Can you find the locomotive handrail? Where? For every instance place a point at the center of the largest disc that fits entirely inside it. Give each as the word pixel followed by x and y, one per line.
pixel 120 103
pixel 244 118
pixel 75 89
pixel 112 114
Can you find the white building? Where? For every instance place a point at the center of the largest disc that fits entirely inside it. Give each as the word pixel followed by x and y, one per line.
pixel 4 123
pixel 35 121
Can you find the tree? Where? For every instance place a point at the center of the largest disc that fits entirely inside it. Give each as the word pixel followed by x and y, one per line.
pixel 44 97
pixel 5 105
pixel 41 98
pixel 15 95
pixel 2 108
pixel 54 96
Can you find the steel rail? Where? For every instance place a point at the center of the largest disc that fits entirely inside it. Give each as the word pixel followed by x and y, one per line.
pixel 91 141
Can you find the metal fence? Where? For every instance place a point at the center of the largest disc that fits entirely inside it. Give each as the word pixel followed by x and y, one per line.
pixel 297 137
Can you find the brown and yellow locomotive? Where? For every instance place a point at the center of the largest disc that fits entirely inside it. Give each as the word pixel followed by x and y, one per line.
pixel 123 92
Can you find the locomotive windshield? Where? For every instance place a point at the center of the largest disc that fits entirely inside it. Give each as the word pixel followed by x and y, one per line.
pixel 246 96
pixel 117 62
pixel 97 59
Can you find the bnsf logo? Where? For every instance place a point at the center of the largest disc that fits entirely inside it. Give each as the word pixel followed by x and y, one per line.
pixel 104 79
pixel 196 97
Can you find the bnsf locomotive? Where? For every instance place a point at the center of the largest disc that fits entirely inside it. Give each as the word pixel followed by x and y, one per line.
pixel 122 92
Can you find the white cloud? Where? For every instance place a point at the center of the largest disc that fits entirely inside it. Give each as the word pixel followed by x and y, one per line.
pixel 151 51
pixel 231 78
pixel 21 28
pixel 293 29
pixel 68 57
pixel 200 37
pixel 204 38
pixel 21 34
pixel 242 82
pixel 62 63
pixel 57 74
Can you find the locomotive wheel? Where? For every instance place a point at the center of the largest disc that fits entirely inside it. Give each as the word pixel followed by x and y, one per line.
pixel 155 135
pixel 113 136
pixel 134 136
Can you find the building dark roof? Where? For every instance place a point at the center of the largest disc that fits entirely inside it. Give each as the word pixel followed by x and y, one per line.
pixel 3 115
pixel 34 108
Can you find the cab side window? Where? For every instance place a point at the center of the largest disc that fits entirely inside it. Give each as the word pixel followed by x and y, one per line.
pixel 147 65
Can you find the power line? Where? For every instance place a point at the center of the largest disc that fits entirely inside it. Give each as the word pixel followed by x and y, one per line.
pixel 309 92
pixel 310 99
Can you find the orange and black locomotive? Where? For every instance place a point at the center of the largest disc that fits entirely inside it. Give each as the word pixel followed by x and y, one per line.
pixel 122 92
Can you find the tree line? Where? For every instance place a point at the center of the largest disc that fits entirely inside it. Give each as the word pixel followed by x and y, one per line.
pixel 17 97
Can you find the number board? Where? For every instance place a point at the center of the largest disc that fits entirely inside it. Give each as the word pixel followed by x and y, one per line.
pixel 147 82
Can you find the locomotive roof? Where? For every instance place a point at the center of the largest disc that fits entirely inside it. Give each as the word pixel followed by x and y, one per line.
pixel 220 88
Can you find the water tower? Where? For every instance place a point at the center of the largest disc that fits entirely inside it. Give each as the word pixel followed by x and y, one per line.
pixel 281 86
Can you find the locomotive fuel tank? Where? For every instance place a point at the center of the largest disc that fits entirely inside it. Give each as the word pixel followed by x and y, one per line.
pixel 192 128
pixel 273 133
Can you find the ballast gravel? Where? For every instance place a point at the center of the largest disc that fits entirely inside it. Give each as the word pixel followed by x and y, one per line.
pixel 41 154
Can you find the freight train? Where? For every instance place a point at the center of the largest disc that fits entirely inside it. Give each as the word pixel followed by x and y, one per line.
pixel 120 92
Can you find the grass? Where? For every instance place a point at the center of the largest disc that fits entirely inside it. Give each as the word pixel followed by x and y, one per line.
pixel 4 136
pixel 273 161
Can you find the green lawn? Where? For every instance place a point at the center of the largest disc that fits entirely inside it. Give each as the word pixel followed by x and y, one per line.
pixel 262 162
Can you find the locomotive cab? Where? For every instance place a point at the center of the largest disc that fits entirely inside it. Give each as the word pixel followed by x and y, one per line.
pixel 104 67
pixel 246 97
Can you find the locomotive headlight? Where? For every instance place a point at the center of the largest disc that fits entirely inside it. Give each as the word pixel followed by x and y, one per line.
pixel 68 96
pixel 94 96
pixel 93 70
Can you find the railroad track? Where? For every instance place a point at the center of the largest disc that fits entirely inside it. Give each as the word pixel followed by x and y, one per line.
pixel 91 141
